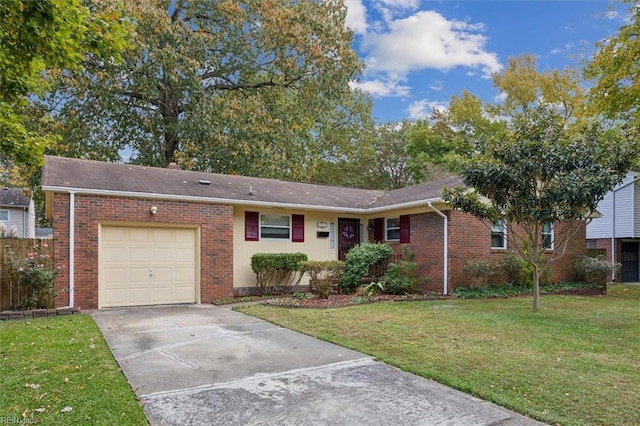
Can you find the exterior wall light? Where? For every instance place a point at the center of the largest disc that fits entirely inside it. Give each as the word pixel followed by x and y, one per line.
pixel 153 209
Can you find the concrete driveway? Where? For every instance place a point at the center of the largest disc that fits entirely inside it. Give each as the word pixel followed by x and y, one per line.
pixel 202 364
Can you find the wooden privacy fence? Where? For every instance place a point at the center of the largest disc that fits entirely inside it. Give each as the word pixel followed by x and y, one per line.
pixel 21 248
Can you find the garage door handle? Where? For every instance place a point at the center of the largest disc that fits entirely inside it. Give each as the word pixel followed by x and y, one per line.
pixel 150 273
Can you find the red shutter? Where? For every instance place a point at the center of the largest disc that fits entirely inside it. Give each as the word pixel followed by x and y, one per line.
pixel 251 226
pixel 405 228
pixel 297 228
pixel 378 233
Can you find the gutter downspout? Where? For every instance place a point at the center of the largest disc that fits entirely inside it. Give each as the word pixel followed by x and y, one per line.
pixel 445 289
pixel 72 225
pixel 613 227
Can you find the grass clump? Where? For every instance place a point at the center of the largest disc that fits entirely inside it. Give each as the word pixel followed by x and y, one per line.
pixel 59 371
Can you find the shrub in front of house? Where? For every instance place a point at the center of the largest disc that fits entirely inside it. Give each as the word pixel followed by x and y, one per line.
pixel 360 260
pixel 31 277
pixel 512 267
pixel 593 270
pixel 323 275
pixel 480 271
pixel 400 278
pixel 515 270
pixel 277 272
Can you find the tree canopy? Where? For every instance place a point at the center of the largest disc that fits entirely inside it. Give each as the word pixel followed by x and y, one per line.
pixel 37 37
pixel 248 87
pixel 615 70
pixel 549 166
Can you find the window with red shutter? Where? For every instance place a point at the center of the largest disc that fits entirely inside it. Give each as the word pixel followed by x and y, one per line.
pixel 297 228
pixel 405 228
pixel 251 226
pixel 378 233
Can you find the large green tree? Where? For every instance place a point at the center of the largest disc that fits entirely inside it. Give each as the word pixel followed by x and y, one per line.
pixel 36 38
pixel 550 166
pixel 435 144
pixel 390 168
pixel 615 70
pixel 242 87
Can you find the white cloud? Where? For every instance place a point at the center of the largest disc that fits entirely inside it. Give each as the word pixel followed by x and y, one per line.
pixel 565 48
pixel 500 97
pixel 356 16
pixel 436 85
pixel 389 9
pixel 424 108
pixel 382 88
pixel 428 40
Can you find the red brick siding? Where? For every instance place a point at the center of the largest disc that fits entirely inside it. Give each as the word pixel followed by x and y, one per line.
pixel 427 244
pixel 469 239
pixel 216 245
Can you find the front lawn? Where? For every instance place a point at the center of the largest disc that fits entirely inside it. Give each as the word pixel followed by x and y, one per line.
pixel 59 371
pixel 576 361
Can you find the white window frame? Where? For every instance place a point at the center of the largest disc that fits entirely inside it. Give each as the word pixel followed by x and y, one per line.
pixel 550 235
pixel 8 218
pixel 271 226
pixel 503 233
pixel 388 228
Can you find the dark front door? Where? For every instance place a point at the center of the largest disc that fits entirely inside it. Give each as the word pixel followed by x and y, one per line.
pixel 348 235
pixel 630 262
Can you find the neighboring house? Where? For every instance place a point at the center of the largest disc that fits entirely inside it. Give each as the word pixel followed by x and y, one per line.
pixel 617 230
pixel 17 211
pixel 133 235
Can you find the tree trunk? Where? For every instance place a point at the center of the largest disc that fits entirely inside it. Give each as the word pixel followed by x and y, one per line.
pixel 536 288
pixel 171 121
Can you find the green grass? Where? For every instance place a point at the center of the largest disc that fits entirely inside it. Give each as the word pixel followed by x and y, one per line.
pixel 575 362
pixel 47 364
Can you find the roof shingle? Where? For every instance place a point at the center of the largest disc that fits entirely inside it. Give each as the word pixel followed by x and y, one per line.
pixel 61 173
pixel 13 197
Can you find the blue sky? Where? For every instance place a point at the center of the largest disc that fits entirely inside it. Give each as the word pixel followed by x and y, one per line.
pixel 420 53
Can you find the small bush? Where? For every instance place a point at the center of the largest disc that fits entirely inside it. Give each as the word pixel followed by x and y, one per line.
pixel 374 287
pixel 400 278
pixel 593 270
pixel 277 272
pixel 359 260
pixel 513 267
pixel 322 275
pixel 479 270
pixel 32 277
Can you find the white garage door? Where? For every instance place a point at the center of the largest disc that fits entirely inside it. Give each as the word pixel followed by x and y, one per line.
pixel 147 266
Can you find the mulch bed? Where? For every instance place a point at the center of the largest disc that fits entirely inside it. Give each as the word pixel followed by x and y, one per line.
pixel 340 300
pixel 37 313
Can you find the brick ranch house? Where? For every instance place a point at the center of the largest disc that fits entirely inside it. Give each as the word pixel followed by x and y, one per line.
pixel 134 235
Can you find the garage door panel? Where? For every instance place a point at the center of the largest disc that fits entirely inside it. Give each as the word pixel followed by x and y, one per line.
pixel 138 235
pixel 138 254
pixel 113 275
pixel 115 255
pixel 183 254
pixel 144 266
pixel 114 296
pixel 138 276
pixel 184 273
pixel 138 296
pixel 162 255
pixel 114 235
